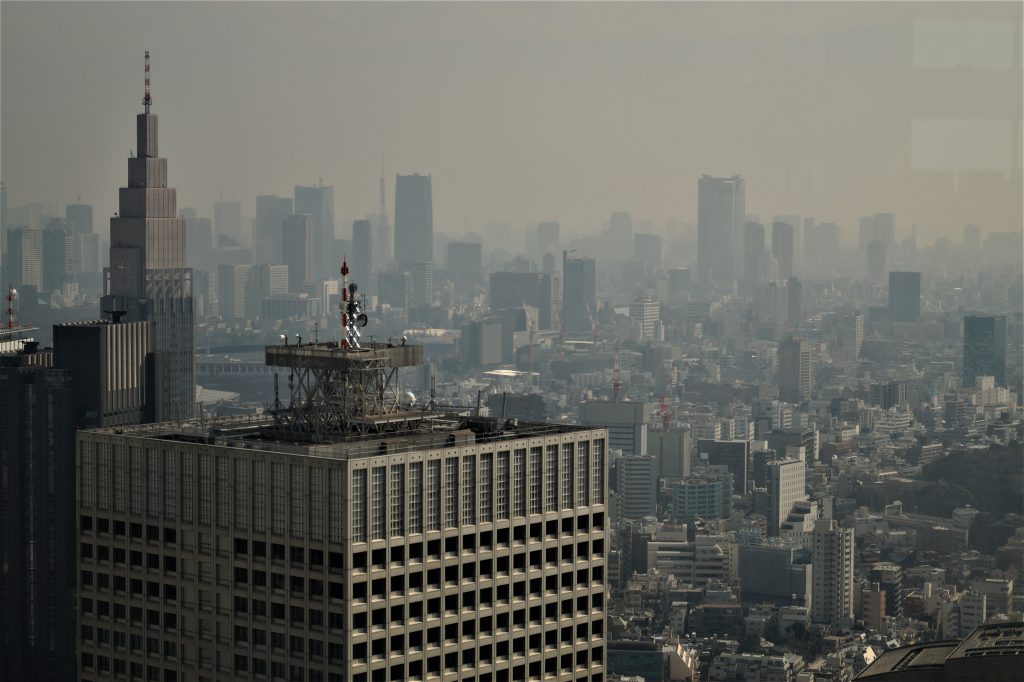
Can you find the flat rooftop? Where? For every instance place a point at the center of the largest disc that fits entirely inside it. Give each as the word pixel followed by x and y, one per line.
pixel 421 430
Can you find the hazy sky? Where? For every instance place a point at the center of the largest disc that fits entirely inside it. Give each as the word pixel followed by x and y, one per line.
pixel 526 111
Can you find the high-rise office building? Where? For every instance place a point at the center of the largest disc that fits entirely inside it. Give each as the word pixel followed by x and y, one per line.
pixel 298 244
pixel 851 335
pixel 452 547
pixel 542 291
pixel 268 279
pixel 794 303
pixel 707 494
pixel 58 254
pixel 786 480
pixel 734 455
pixel 904 296
pixel 876 259
pixel 721 212
pixel 148 277
pixel 318 203
pixel 889 577
pixel 831 573
pixel 645 317
pixel 98 374
pixel 984 348
pixel 199 243
pixel 233 293
pixel 796 374
pixel 271 211
pixel 414 219
pixel 626 423
pixel 422 274
pixel 227 221
pixel 23 259
pixel 783 248
pixel 637 486
pixel 361 259
pixel 753 256
pixel 80 215
pixel 579 301
pixel 394 288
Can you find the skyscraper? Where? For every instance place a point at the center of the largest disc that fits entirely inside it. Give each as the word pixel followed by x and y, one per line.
pixel 542 291
pixel 579 302
pixel 58 254
pixel 876 258
pixel 414 219
pixel 81 216
pixel 271 210
pixel 721 211
pixel 227 221
pixel 645 318
pixel 298 241
pixel 148 277
pixel 796 378
pixel 851 335
pixel 783 248
pixel 904 296
pixel 318 203
pixel 753 256
pixel 233 294
pixel 361 259
pixel 313 552
pixel 794 303
pixel 23 259
pixel 422 274
pixel 786 481
pixel 984 348
pixel 831 573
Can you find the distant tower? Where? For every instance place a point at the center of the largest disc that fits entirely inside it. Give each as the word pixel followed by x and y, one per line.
pixel 904 296
pixel 832 573
pixel 362 254
pixel 579 300
pixel 721 211
pixel 876 254
pixel 796 378
pixel 984 348
pixel 298 244
pixel 382 251
pixel 318 203
pixel 414 219
pixel 783 248
pixel 148 278
pixel 753 256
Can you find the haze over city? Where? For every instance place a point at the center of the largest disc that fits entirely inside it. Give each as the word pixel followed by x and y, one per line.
pixel 532 111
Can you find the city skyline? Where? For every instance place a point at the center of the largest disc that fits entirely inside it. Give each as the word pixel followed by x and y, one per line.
pixel 597 114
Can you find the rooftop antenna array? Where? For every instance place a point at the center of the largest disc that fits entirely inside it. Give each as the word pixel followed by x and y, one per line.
pixel 148 99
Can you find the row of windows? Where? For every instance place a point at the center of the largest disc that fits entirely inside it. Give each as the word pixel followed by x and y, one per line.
pixel 135 615
pixel 471 493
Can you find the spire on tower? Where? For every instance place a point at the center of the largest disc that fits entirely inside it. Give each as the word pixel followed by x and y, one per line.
pixel 147 100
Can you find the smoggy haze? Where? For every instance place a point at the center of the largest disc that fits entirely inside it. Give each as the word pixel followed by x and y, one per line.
pixel 529 111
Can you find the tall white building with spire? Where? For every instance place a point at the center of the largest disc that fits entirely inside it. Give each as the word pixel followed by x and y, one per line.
pixel 148 278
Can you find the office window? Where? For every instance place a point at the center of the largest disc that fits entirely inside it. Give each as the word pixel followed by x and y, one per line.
pixel 433 495
pixel 88 475
pixel 298 501
pixel 359 505
pixel 316 503
pixel 598 491
pixel 519 482
pixel 378 512
pixel 120 474
pixel 242 494
pixel 451 492
pixel 397 501
pixel 103 479
pixel 137 489
pixel 152 483
pixel 415 493
pixel 582 460
pixel 502 485
pixel 223 490
pixel 260 509
pixel 565 474
pixel 188 481
pixel 335 500
pixel 486 486
pixel 535 480
pixel 278 503
pixel 205 494
pixel 469 490
pixel 551 478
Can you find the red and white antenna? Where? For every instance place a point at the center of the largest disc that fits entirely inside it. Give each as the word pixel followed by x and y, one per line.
pixel 147 100
pixel 12 320
pixel 344 301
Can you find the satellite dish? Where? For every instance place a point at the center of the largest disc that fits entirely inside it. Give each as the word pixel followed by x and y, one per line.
pixel 14 293
pixel 352 287
pixel 362 320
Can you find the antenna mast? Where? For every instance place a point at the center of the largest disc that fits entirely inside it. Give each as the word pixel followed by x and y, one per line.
pixel 147 100
pixel 382 204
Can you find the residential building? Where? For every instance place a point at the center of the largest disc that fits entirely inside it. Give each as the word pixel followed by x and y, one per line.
pixel 832 573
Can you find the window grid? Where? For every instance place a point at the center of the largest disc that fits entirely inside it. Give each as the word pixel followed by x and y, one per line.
pixel 120 476
pixel 397 483
pixel 565 472
pixel 103 479
pixel 138 475
pixel 152 483
pixel 486 486
pixel 335 499
pixel 205 474
pixel 188 482
pixel 551 478
pixel 502 485
pixel 434 494
pixel 415 493
pixel 260 497
pixel 598 492
pixel 278 480
pixel 223 490
pixel 519 482
pixel 359 505
pixel 316 503
pixel 451 492
pixel 582 459
pixel 535 480
pixel 298 501
pixel 170 486
pixel 469 490
pixel 88 476
pixel 378 513
pixel 242 494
